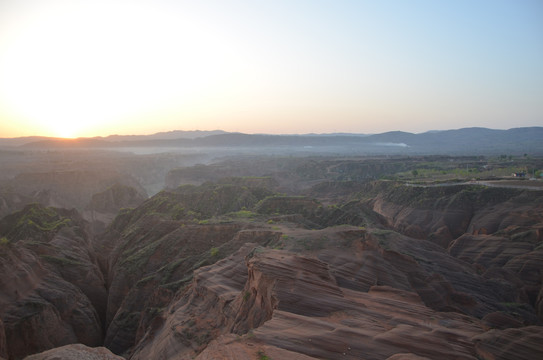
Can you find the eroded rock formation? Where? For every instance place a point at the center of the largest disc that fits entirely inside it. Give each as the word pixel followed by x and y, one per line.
pixel 236 271
pixel 52 290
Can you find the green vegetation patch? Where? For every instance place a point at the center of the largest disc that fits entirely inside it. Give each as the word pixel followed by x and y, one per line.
pixel 201 204
pixel 262 356
pixel 243 214
pixel 4 241
pixel 214 251
pixel 34 221
pixel 43 219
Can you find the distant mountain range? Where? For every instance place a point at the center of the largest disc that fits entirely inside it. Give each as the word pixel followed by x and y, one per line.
pixel 474 141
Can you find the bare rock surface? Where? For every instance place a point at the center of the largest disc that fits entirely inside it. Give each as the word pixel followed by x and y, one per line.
pixel 273 311
pixel 75 351
pixel 443 213
pixel 116 197
pixel 3 345
pixel 522 344
pixel 52 291
pixel 206 310
pixel 104 206
pixel 352 292
pixel 234 271
pixel 231 347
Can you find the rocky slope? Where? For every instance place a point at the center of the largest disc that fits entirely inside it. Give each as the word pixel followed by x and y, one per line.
pixel 278 304
pixel 498 231
pixel 105 205
pixel 443 213
pixel 379 286
pixel 234 270
pixel 153 250
pixel 52 291
pixel 70 188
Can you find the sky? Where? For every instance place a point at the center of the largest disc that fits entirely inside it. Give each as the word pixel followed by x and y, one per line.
pixel 75 68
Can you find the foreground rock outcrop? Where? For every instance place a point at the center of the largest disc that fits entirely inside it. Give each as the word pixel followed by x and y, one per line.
pixel 75 351
pixel 291 307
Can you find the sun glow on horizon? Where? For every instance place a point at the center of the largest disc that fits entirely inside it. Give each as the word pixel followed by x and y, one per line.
pixel 77 68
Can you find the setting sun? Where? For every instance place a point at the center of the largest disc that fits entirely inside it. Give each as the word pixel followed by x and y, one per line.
pixel 89 68
pixel 75 70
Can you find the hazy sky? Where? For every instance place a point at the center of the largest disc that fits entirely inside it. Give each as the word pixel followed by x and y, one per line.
pixel 87 68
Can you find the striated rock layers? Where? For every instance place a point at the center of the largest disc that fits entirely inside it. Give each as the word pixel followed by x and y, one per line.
pixel 437 289
pixel 104 206
pixel 228 271
pixel 52 291
pixel 274 303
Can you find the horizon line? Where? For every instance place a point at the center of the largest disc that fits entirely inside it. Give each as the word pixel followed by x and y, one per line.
pixel 336 133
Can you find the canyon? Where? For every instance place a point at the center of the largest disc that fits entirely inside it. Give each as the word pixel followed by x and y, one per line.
pixel 270 257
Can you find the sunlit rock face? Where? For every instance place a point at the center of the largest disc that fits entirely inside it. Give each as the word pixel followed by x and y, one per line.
pixel 291 305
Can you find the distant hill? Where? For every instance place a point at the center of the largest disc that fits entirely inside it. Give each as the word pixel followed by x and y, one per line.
pixel 8 142
pixel 168 135
pixel 475 140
